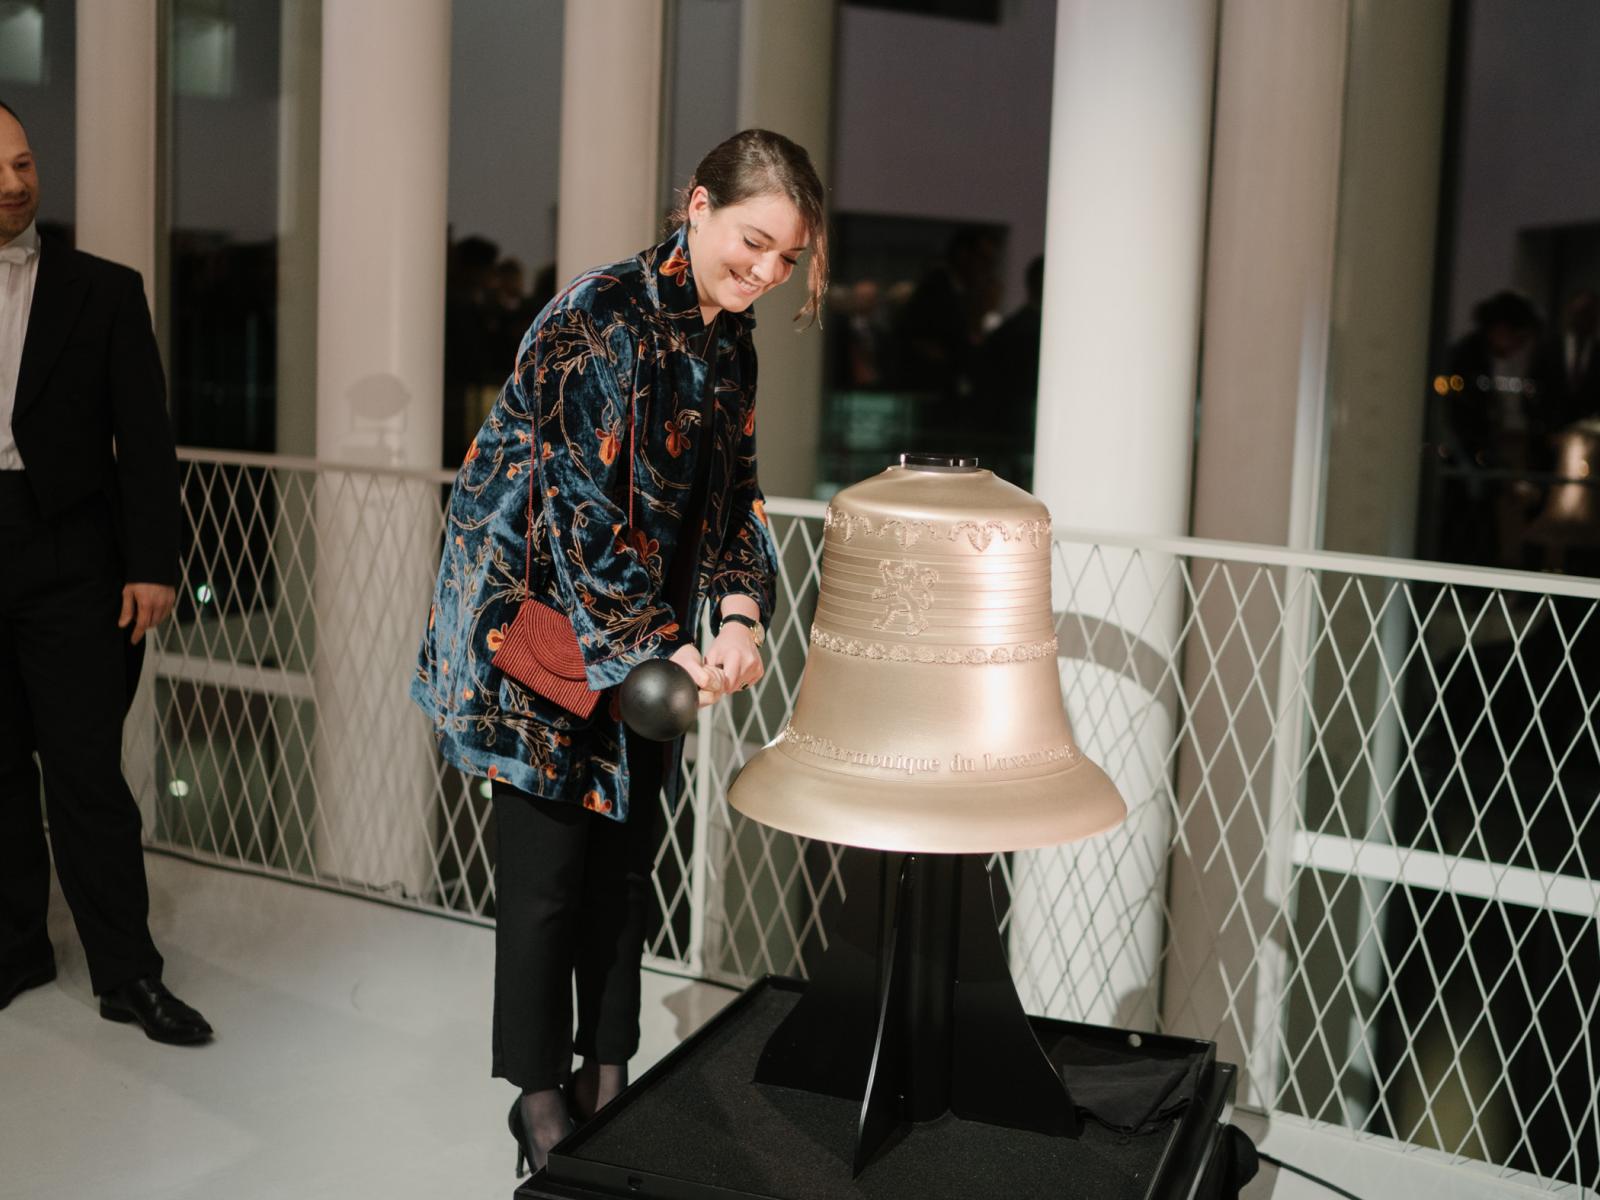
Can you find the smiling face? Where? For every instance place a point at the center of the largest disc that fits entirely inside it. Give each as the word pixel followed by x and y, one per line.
pixel 740 252
pixel 19 179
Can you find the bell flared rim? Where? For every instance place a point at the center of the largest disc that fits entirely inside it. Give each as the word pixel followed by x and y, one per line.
pixel 955 817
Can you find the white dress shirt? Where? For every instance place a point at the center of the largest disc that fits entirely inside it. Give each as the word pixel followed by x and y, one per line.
pixel 19 267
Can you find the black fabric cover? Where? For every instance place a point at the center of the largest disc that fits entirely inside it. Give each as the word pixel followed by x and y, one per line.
pixel 704 1120
pixel 1132 1088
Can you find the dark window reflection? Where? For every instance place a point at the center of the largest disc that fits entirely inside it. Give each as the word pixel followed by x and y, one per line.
pixel 920 353
pixel 488 307
pixel 1514 401
pixel 222 354
pixel 967 10
pixel 1511 445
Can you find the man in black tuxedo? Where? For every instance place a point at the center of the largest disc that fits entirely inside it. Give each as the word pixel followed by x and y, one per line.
pixel 89 542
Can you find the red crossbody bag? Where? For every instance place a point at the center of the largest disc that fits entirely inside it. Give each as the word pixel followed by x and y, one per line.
pixel 540 650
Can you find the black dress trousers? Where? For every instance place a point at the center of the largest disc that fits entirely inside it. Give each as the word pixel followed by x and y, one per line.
pixel 572 894
pixel 66 677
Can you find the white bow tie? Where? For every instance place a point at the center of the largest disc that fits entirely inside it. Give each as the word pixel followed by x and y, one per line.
pixel 15 254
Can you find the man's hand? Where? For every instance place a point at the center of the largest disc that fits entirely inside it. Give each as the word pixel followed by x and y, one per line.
pixel 146 605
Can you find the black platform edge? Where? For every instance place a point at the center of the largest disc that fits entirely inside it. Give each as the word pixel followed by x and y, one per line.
pixel 571 1177
pixel 566 1168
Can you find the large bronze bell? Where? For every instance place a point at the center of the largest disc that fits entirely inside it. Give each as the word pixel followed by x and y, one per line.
pixel 930 717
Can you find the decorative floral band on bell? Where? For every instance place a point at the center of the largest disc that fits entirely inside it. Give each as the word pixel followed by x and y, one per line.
pixel 909 531
pixel 969 656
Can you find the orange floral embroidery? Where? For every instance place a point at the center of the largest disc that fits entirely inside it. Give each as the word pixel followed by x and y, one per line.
pixel 513 471
pixel 643 545
pixel 760 507
pixel 472 453
pixel 610 443
pixel 466 693
pixel 545 452
pixel 496 638
pixel 677 439
pixel 549 771
pixel 750 419
pixel 677 266
pixel 493 771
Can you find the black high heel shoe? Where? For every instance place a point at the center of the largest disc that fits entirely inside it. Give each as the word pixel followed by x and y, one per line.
pixel 530 1157
pixel 514 1121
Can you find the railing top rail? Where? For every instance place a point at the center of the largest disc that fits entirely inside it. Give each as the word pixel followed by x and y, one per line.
pixel 1410 570
pixel 290 462
pixel 1407 569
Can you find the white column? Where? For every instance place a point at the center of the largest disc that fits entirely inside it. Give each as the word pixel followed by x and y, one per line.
pixel 610 133
pixel 380 368
pixel 1258 473
pixel 381 246
pixel 1125 231
pixel 117 213
pixel 118 161
pixel 786 85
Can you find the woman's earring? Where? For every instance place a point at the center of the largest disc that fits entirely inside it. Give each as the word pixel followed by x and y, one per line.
pixel 693 228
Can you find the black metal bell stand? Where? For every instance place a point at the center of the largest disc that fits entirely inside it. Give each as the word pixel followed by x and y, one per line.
pixel 921 1021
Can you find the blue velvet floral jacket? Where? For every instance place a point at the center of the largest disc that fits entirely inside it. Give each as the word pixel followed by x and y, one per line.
pixel 627 336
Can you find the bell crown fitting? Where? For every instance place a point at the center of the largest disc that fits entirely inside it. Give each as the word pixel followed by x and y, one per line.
pixel 930 716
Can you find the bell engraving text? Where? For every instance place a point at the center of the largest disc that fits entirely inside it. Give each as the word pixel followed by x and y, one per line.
pixel 957 763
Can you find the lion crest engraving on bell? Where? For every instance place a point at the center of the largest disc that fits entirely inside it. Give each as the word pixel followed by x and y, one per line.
pixel 930 716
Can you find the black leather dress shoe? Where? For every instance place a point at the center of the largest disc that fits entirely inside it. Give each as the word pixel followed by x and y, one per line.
pixel 164 1017
pixel 16 980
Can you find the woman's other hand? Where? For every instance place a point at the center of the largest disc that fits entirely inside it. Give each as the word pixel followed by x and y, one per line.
pixel 707 680
pixel 734 653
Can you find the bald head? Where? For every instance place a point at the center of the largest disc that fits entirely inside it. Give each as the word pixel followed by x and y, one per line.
pixel 19 177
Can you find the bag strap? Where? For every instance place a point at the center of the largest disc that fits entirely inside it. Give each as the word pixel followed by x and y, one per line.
pixel 533 440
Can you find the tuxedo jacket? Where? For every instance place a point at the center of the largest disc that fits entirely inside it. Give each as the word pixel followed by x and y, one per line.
pixel 90 414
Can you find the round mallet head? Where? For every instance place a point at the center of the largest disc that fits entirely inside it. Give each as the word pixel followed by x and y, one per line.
pixel 659 700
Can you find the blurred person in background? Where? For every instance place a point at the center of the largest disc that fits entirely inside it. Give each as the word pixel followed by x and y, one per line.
pixel 1493 415
pixel 89 521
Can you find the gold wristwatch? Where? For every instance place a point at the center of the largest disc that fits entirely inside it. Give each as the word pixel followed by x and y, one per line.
pixel 758 635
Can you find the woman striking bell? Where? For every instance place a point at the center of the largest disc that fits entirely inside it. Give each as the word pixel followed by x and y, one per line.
pixel 631 417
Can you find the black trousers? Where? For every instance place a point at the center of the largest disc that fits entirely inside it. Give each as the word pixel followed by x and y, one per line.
pixel 66 677
pixel 572 895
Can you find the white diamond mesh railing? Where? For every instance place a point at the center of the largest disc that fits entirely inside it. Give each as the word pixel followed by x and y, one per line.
pixel 1362 850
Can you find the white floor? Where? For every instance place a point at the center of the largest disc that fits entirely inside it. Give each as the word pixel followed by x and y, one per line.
pixel 352 1061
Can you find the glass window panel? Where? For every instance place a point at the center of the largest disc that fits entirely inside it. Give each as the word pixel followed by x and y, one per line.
pixel 38 78
pixel 505 135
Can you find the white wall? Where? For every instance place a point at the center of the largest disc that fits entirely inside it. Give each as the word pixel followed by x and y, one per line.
pixel 948 119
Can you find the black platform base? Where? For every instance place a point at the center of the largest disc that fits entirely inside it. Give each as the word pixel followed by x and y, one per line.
pixel 696 1127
